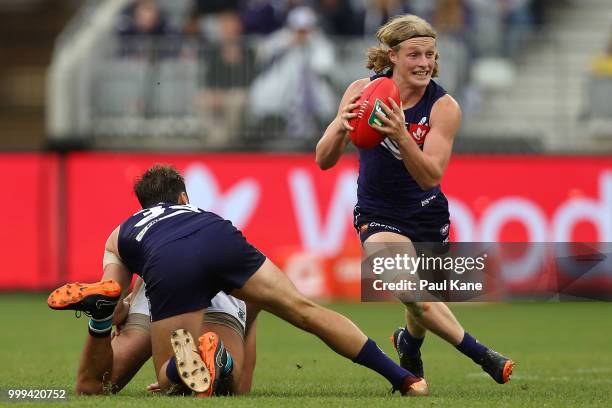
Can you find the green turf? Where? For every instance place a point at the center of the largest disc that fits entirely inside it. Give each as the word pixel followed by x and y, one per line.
pixel 564 355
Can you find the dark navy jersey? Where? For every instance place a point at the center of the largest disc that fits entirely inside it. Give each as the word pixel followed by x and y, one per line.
pixel 145 232
pixel 185 256
pixel 385 185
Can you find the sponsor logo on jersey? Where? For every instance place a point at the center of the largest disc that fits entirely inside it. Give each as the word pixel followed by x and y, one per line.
pixel 427 200
pixel 418 131
pixel 444 229
pixel 374 224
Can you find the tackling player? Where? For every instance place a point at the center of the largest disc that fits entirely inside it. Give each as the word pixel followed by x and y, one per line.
pixel 398 190
pixel 185 256
pixel 131 342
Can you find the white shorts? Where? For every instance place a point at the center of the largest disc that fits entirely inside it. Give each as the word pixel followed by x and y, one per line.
pixel 221 303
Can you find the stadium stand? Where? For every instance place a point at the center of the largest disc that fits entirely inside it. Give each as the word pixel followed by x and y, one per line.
pixel 119 89
pixel 519 69
pixel 28 29
pixel 547 94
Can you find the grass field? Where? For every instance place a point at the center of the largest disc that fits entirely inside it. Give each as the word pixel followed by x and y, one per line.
pixel 564 355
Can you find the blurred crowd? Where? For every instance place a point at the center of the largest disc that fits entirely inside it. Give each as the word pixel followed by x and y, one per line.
pixel 253 51
pixel 334 17
pixel 599 87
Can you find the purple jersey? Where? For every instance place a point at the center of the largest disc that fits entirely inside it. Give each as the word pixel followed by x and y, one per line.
pixel 385 186
pixel 141 235
pixel 185 256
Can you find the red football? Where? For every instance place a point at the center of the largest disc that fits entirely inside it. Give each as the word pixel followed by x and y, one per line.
pixel 365 135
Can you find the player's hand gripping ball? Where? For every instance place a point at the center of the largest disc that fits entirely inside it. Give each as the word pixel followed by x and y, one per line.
pixel 365 135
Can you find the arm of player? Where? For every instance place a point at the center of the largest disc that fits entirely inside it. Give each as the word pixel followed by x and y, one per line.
pixel 426 166
pixel 113 266
pixel 250 350
pixel 121 313
pixel 336 137
pixel 123 308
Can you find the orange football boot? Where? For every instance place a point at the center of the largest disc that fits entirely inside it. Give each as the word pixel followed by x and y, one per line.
pixel 414 387
pixel 97 300
pixel 217 359
pixel 497 366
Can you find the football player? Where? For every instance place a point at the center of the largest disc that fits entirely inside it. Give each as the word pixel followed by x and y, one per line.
pixel 399 199
pixel 185 256
pixel 131 341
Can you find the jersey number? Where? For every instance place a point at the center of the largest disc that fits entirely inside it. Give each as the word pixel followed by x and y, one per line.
pixel 151 216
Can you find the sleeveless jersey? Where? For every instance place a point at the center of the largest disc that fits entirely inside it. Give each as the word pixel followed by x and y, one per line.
pixel 145 232
pixel 384 184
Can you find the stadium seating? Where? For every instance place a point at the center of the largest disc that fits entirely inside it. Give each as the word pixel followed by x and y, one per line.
pixel 599 91
pixel 533 101
pixel 175 85
pixel 119 88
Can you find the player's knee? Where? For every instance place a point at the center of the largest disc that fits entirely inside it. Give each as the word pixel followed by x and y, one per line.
pixel 417 309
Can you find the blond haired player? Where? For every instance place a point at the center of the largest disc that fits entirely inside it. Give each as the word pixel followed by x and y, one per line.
pixel 398 195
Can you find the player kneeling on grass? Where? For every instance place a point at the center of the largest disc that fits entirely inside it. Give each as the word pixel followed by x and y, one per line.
pixel 185 256
pixel 131 343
